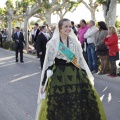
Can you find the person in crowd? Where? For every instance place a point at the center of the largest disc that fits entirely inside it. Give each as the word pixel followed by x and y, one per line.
pixel 21 30
pixel 92 56
pixel 2 31
pixel 70 94
pixel 28 35
pixel 81 31
pixel 36 32
pixel 112 43
pixel 74 28
pixel 102 50
pixel 32 35
pixel 13 31
pixel 42 40
pixel 4 34
pixel 48 32
pixel 52 31
pixel 78 26
pixel 1 43
pixel 18 38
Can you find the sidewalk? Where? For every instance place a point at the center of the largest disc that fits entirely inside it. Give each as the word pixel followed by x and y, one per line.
pixel 24 55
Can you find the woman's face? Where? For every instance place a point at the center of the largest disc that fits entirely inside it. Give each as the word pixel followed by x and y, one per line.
pixel 66 28
pixel 109 32
pixel 98 27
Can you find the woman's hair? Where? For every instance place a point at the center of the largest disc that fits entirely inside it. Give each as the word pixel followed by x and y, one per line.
pixel 113 29
pixel 84 21
pixel 102 25
pixel 60 24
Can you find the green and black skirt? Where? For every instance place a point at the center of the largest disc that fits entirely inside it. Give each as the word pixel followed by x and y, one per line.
pixel 70 96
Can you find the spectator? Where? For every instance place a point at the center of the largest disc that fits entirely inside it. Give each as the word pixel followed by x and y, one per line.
pixel 52 31
pixel 4 34
pixel 42 40
pixel 92 56
pixel 81 31
pixel 1 44
pixel 74 28
pixel 36 32
pixel 102 50
pixel 32 35
pixel 13 31
pixel 112 43
pixel 18 38
pixel 28 35
pixel 78 26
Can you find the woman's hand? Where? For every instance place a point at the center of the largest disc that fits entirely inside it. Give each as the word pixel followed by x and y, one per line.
pixel 108 36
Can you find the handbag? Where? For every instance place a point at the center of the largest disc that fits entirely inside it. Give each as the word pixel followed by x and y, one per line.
pixel 101 47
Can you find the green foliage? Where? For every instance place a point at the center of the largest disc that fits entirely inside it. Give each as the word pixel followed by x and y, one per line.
pixel 73 5
pixel 39 10
pixel 105 1
pixel 118 1
pixel 117 23
pixel 9 45
pixel 46 5
pixel 32 22
pixel 9 3
pixel 2 11
pixel 14 23
pixel 102 1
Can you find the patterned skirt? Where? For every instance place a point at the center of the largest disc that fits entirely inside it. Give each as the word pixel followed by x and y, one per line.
pixel 70 96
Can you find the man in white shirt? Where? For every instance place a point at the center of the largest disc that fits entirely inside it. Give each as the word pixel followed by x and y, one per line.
pixel 92 56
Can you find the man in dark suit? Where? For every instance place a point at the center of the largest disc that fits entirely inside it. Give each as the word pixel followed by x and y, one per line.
pixel 19 44
pixel 1 43
pixel 73 27
pixel 42 40
pixel 36 32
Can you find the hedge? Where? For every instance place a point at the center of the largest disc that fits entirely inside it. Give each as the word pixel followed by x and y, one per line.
pixel 9 45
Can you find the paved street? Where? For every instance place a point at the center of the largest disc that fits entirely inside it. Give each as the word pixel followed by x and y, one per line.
pixel 19 85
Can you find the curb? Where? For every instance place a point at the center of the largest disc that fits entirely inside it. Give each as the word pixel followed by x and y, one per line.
pixel 24 54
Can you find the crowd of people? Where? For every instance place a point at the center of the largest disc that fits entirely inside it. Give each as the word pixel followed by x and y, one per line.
pixel 99 44
pixel 3 36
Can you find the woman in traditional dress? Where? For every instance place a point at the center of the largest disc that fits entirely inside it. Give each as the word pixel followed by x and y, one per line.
pixel 69 93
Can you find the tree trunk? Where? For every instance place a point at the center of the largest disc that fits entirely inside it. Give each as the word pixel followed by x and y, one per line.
pixel 26 31
pixel 110 15
pixel 112 18
pixel 61 16
pixel 48 18
pixel 93 14
pixel 9 22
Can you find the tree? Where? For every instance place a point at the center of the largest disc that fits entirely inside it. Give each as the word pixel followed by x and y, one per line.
pixel 66 7
pixel 2 16
pixel 28 8
pixel 92 7
pixel 109 7
pixel 60 7
pixel 11 12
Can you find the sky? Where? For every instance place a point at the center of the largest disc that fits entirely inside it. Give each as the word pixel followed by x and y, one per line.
pixel 77 15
